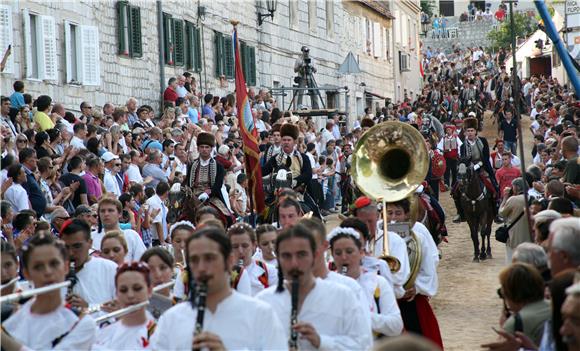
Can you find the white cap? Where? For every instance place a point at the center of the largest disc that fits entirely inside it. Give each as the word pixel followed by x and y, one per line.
pixel 223 150
pixel 472 114
pixel 109 156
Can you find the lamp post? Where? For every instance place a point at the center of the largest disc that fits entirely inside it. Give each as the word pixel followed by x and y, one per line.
pixel 271 7
pixel 516 99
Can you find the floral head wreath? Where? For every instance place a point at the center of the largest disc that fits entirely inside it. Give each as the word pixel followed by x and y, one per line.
pixel 180 223
pixel 345 231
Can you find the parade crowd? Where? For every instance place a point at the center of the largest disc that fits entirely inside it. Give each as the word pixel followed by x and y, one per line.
pixel 131 205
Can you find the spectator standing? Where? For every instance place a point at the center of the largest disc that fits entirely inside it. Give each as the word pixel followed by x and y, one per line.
pixel 43 106
pixel 158 214
pixel 76 167
pixel 112 166
pixel 509 132
pixel 170 93
pixel 93 184
pixel 15 194
pixel 28 159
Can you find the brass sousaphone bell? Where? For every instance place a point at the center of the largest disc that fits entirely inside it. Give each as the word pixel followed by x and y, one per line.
pixel 389 162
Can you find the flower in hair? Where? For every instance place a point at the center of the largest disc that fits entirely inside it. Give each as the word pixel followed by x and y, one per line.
pixel 343 230
pixel 180 223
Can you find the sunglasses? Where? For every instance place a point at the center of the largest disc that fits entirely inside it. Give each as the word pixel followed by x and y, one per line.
pixel 89 107
pixel 117 165
pixel 21 141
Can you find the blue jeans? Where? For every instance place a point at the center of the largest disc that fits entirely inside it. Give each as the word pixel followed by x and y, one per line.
pixel 511 146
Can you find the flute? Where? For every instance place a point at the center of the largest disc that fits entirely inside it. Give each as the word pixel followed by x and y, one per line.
pixel 156 289
pixel 122 312
pixel 293 341
pixel 33 292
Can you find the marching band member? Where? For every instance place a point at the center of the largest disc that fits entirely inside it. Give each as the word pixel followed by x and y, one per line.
pixel 133 330
pixel 327 314
pixel 161 271
pixel 114 247
pixel 43 323
pixel 178 234
pixel 289 212
pixel 347 251
pixel 9 264
pixel 320 270
pixel 366 210
pixel 266 238
pixel 260 274
pixel 232 320
pixel 110 212
pixel 416 311
pixel 95 276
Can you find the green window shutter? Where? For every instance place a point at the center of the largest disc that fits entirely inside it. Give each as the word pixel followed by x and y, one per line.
pixel 123 48
pixel 229 57
pixel 189 45
pixel 179 42
pixel 243 49
pixel 168 38
pixel 135 32
pixel 219 54
pixel 197 49
pixel 252 66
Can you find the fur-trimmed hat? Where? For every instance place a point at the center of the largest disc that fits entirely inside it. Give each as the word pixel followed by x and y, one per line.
pixel 289 129
pixel 470 123
pixel 367 123
pixel 206 139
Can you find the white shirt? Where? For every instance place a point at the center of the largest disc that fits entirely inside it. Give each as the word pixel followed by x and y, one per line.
pixel 325 136
pixel 388 321
pixel 118 336
pixel 427 282
pixel 254 271
pixel 181 91
pixel 111 184
pixel 313 164
pixel 241 322
pixel 361 298
pixel 330 308
pixel 134 174
pixel 135 246
pixel 96 281
pixel 397 248
pixel 37 331
pixel 17 197
pixel 155 203
pixel 77 143
pixel 258 255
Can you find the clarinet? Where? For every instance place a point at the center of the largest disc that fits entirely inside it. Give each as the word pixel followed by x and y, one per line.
pixel 72 277
pixel 293 341
pixel 344 270
pixel 200 295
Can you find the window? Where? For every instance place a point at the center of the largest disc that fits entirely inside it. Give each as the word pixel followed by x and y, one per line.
pixel 129 30
pixel 388 43
pixel 40 46
pixel 248 56
pixel 404 62
pixel 368 36
pixel 192 47
pixel 312 15
pixel 82 54
pixel 330 18
pixel 168 40
pixel 376 40
pixel 224 56
pixel 6 36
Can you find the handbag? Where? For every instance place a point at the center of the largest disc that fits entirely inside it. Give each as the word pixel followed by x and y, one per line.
pixel 502 233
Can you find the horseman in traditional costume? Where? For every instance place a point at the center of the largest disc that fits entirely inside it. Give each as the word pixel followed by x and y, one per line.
pixel 475 150
pixel 205 177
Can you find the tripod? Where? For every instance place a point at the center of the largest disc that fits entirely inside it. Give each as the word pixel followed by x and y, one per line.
pixel 306 80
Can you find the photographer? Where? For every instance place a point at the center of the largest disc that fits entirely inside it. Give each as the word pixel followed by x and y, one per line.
pixel 511 209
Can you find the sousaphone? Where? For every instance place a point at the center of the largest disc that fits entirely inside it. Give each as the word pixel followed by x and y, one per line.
pixel 389 162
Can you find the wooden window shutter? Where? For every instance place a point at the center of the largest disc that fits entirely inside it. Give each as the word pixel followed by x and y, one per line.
pixel 197 48
pixel 219 54
pixel 252 66
pixel 6 37
pixel 89 42
pixel 168 36
pixel 179 42
pixel 135 29
pixel 48 48
pixel 189 45
pixel 229 57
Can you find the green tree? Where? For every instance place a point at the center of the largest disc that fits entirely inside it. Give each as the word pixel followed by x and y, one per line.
pixel 427 7
pixel 501 36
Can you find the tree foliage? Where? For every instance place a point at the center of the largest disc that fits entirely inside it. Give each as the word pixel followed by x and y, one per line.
pixel 427 7
pixel 501 36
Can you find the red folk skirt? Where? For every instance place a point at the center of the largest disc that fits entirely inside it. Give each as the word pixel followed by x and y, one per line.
pixel 419 318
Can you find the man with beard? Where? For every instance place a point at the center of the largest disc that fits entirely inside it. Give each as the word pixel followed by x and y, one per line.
pixel 328 315
pixel 232 320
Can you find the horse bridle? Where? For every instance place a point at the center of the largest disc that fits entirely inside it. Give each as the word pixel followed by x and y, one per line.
pixel 481 195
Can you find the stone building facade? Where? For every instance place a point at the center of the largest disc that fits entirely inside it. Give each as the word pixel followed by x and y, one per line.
pixel 107 51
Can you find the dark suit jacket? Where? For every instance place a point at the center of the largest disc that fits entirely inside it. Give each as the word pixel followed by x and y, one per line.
pixel 484 156
pixel 216 188
pixel 305 173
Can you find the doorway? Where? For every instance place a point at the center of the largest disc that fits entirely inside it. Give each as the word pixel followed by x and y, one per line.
pixel 541 66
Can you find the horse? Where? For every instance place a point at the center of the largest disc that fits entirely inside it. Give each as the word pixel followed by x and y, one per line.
pixel 478 205
pixel 182 205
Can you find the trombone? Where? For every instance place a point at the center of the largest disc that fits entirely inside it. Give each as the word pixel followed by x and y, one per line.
pixel 33 292
pixel 389 162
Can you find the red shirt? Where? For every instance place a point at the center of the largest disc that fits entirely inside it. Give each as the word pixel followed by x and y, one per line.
pixel 505 175
pixel 170 95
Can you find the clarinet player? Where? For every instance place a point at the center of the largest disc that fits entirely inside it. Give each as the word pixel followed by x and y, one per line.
pixel 231 320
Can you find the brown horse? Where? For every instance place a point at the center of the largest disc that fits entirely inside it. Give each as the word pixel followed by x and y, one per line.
pixel 182 205
pixel 478 206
